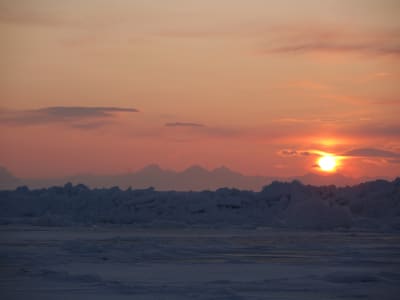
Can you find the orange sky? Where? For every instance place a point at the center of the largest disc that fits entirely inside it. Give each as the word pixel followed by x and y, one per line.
pixel 258 86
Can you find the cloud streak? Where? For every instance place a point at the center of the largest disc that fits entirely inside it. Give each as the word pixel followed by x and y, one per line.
pixel 184 124
pixel 374 130
pixel 329 40
pixel 371 152
pixel 338 47
pixel 82 117
pixel 25 13
pixel 294 153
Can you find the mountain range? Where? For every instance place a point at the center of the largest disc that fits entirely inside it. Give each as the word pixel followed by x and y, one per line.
pixel 193 178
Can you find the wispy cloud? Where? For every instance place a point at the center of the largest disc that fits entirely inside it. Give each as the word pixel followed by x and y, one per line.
pixel 370 155
pixel 388 102
pixel 371 152
pixel 22 12
pixel 373 130
pixel 45 14
pixel 83 117
pixel 184 124
pixel 188 131
pixel 329 40
pixel 308 85
pixel 298 39
pixel 338 47
pixel 294 153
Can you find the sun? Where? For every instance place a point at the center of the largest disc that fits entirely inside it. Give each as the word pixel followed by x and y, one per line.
pixel 327 163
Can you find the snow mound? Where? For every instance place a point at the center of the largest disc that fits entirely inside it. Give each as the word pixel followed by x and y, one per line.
pixel 372 205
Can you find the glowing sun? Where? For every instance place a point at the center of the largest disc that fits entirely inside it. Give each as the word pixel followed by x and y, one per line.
pixel 327 163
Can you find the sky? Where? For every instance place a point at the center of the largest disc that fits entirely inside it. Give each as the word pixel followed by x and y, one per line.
pixel 262 87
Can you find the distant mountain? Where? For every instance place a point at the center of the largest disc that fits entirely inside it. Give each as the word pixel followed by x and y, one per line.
pixel 193 178
pixel 7 179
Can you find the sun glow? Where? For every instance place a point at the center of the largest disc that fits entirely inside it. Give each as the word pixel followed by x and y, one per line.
pixel 327 163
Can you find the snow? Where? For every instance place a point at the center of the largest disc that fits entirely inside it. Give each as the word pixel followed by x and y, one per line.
pixel 372 205
pixel 124 262
pixel 288 241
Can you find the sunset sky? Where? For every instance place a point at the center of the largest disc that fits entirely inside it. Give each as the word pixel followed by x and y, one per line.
pixel 262 87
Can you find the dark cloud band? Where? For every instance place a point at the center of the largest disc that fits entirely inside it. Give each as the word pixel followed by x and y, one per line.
pixel 371 152
pixel 62 114
pixel 184 124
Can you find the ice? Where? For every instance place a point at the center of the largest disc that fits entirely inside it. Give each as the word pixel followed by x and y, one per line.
pixel 372 205
pixel 352 277
pixel 315 214
pixel 124 262
pixel 288 241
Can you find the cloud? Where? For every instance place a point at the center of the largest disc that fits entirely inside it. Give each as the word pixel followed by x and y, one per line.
pixel 338 47
pixel 306 38
pixel 46 14
pixel 189 131
pixel 371 152
pixel 83 117
pixel 334 40
pixel 184 124
pixel 26 13
pixel 374 130
pixel 292 153
pixel 389 102
pixel 308 85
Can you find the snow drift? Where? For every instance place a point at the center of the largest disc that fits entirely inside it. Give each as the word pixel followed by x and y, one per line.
pixel 371 205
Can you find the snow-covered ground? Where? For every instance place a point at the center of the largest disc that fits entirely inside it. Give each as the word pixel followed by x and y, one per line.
pixel 288 241
pixel 127 262
pixel 373 205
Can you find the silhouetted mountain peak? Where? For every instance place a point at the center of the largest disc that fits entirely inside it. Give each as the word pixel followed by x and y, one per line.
pixel 153 168
pixel 6 177
pixel 193 178
pixel 223 171
pixel 195 170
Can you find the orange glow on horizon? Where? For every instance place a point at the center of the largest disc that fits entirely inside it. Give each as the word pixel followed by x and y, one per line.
pixel 260 87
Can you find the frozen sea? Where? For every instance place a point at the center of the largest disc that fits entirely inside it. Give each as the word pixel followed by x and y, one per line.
pixel 126 262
